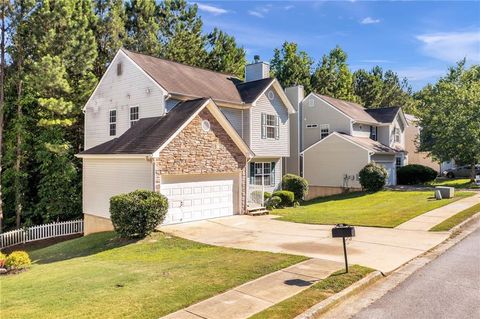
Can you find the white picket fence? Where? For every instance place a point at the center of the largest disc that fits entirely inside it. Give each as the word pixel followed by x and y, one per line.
pixel 39 232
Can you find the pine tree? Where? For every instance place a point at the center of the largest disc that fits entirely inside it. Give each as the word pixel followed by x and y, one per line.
pixel 291 67
pixel 110 32
pixel 181 33
pixel 332 76
pixel 224 55
pixel 142 27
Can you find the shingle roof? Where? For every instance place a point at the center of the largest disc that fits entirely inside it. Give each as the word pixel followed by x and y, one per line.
pixel 353 110
pixel 178 78
pixel 369 144
pixel 384 114
pixel 148 134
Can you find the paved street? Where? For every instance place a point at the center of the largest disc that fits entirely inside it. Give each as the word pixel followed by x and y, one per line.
pixel 448 287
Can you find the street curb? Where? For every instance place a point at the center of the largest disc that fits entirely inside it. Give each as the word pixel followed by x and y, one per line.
pixel 326 304
pixel 464 224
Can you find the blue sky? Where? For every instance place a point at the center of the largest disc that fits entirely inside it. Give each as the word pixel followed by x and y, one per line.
pixel 417 39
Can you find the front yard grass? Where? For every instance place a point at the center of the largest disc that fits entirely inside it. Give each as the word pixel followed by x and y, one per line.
pixel 381 209
pixel 100 276
pixel 293 306
pixel 458 183
pixel 456 219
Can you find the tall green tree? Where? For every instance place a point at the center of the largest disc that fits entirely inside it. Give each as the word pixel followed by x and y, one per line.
pixel 181 32
pixel 450 116
pixel 291 66
pixel 143 27
pixel 377 88
pixel 110 32
pixel 332 76
pixel 224 55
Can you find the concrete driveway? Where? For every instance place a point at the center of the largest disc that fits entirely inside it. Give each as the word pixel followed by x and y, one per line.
pixel 379 248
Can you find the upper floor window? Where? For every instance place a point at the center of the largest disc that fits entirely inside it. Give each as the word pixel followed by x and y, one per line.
pixel 134 115
pixel 270 126
pixel 397 135
pixel 324 130
pixel 262 173
pixel 112 120
pixel 119 68
pixel 373 132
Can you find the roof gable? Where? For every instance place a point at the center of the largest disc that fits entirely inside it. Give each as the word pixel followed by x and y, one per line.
pixel 354 111
pixel 384 114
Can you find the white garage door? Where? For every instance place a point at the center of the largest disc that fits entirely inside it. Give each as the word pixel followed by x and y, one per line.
pixel 392 174
pixel 198 200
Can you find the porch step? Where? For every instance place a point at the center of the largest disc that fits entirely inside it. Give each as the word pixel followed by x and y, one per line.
pixel 257 211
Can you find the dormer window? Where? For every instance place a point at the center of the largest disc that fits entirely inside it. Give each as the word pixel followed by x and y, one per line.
pixel 373 132
pixel 119 68
pixel 397 135
pixel 134 115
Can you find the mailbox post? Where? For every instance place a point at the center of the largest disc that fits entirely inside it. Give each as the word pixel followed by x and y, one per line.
pixel 343 231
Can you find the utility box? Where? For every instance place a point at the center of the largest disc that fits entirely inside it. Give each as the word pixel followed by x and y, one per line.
pixel 446 192
pixel 343 230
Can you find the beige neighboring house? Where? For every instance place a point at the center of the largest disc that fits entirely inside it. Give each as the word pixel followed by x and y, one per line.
pixel 411 140
pixel 208 141
pixel 332 140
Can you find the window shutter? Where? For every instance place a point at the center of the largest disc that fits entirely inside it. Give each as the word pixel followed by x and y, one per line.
pixel 252 173
pixel 272 174
pixel 277 127
pixel 264 122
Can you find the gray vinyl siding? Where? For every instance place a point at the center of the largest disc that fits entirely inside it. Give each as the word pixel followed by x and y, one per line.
pixel 234 116
pixel 132 88
pixel 361 130
pixel 270 146
pixel 383 157
pixel 246 126
pixel 320 113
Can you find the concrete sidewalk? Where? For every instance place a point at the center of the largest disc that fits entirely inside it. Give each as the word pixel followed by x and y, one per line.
pixel 257 295
pixel 434 217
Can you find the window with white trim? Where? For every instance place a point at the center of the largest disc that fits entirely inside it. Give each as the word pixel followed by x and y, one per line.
pixel 270 126
pixel 373 132
pixel 324 130
pixel 312 125
pixel 398 162
pixel 397 135
pixel 134 115
pixel 112 122
pixel 262 173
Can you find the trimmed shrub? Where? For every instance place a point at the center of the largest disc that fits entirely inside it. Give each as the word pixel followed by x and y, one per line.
pixel 18 260
pixel 266 195
pixel 287 197
pixel 415 174
pixel 3 257
pixel 273 202
pixel 296 184
pixel 373 177
pixel 136 214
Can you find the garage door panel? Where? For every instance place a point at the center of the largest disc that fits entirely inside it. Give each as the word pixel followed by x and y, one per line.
pixel 189 201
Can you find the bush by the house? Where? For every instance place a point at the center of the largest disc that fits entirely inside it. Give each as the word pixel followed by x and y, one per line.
pixel 287 197
pixel 373 177
pixel 3 257
pixel 136 214
pixel 415 174
pixel 273 202
pixel 296 184
pixel 266 195
pixel 18 260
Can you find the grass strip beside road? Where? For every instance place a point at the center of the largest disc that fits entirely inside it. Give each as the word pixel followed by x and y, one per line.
pixel 456 219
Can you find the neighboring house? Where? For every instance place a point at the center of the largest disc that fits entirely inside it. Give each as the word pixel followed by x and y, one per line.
pixel 411 141
pixel 332 140
pixel 206 140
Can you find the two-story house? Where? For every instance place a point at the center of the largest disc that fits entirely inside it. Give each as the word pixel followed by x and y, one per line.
pixel 332 140
pixel 206 140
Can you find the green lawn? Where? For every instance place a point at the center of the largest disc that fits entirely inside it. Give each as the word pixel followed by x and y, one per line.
pixel 457 219
pixel 99 276
pixel 459 183
pixel 381 209
pixel 294 306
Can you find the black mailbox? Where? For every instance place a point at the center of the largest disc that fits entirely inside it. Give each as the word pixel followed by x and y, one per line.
pixel 343 230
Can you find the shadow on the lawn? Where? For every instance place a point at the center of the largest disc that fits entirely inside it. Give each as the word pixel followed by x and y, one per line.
pixel 79 247
pixel 333 198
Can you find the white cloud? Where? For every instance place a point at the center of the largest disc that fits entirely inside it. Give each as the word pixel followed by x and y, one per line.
pixel 211 9
pixel 260 12
pixel 451 46
pixel 375 61
pixel 420 73
pixel 289 7
pixel 370 20
pixel 256 14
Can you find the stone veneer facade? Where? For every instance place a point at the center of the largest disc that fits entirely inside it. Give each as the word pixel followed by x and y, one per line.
pixel 195 151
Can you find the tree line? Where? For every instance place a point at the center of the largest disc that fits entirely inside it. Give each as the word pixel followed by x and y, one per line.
pixel 53 53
